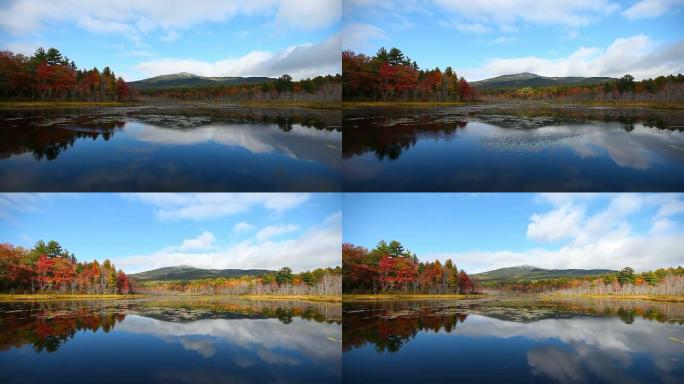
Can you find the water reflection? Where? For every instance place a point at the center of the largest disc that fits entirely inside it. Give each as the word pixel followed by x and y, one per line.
pixel 576 341
pixel 485 149
pixel 150 149
pixel 173 341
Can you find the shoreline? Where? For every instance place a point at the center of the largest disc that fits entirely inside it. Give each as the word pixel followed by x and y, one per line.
pixel 660 298
pixel 520 103
pixel 180 103
pixel 57 297
pixel 402 296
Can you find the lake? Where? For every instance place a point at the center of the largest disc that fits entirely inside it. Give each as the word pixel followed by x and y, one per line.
pixel 516 341
pixel 170 148
pixel 170 341
pixel 513 148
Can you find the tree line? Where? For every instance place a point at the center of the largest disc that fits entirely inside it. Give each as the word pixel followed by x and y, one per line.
pixel 391 268
pixel 48 267
pixel 48 75
pixel 663 281
pixel 319 89
pixel 321 281
pixel 391 75
pixel 625 89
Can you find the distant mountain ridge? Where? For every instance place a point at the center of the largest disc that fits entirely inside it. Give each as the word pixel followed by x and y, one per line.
pixel 528 272
pixel 187 80
pixel 186 272
pixel 527 79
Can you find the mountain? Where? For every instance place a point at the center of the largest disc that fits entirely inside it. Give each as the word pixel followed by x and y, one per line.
pixel 186 272
pixel 527 272
pixel 185 80
pixel 526 79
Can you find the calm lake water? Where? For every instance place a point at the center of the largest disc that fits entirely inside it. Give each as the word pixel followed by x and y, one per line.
pixel 513 342
pixel 507 148
pixel 226 341
pixel 170 149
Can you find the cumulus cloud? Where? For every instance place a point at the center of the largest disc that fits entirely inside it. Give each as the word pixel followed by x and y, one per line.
pixel 359 36
pixel 204 241
pixel 316 247
pixel 275 230
pixel 242 227
pixel 638 55
pixel 299 61
pixel 200 206
pixel 645 9
pixel 604 239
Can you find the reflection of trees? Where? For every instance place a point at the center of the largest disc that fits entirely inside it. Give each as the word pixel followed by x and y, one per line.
pixel 48 325
pixel 47 329
pixel 386 140
pixel 48 142
pixel 390 325
pixel 389 331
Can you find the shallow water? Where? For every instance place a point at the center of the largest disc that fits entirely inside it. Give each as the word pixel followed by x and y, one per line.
pixel 153 341
pixel 513 149
pixel 513 341
pixel 170 149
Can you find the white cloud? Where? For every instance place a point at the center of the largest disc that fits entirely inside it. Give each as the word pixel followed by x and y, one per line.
pixel 141 17
pixel 650 8
pixel 604 239
pixel 309 14
pixel 475 28
pixel 637 55
pixel 558 224
pixel 202 242
pixel 275 230
pixel 300 61
pixel 170 36
pixel 360 36
pixel 574 13
pixel 242 227
pixel 317 247
pixel 199 206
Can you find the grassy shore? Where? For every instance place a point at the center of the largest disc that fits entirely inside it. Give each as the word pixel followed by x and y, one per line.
pixel 400 296
pixel 294 104
pixel 334 299
pixel 400 104
pixel 666 298
pixel 60 104
pixel 57 296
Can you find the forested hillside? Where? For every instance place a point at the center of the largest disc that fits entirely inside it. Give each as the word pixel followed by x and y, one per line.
pixel 391 75
pixel 48 75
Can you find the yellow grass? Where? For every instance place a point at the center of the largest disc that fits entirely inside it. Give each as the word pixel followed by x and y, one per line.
pixel 654 105
pixel 399 296
pixel 294 104
pixel 400 104
pixel 57 296
pixel 60 104
pixel 666 298
pixel 328 298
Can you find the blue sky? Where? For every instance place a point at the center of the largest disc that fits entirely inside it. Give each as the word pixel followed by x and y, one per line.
pixel 144 231
pixel 487 231
pixel 139 39
pixel 482 39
